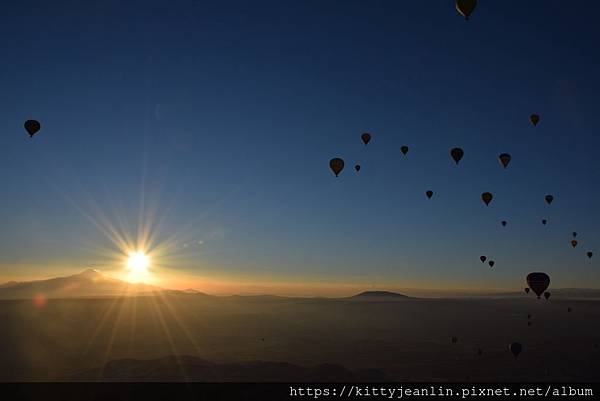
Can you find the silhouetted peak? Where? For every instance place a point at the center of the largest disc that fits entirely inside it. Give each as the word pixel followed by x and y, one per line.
pixel 379 294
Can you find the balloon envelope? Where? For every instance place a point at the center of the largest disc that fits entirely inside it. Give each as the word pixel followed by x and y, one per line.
pixel 366 137
pixel 504 223
pixel 549 199
pixel 590 254
pixel 487 197
pixel 535 119
pixel 357 167
pixel 527 289
pixel 429 194
pixel 538 282
pixel 491 263
pixel 454 340
pixel 547 295
pixel 465 7
pixel 544 221
pixel 574 243
pixel 336 165
pixel 32 127
pixel 504 159
pixel 457 154
pixel 515 348
pixel 482 258
pixel 404 150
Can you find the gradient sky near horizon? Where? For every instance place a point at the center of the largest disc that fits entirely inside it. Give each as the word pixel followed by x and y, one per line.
pixel 211 125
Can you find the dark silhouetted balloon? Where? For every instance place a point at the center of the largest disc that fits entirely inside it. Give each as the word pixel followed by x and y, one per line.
pixel 404 150
pixel 491 263
pixel 504 159
pixel 429 194
pixel 32 127
pixel 527 289
pixel 465 7
pixel 487 197
pixel 547 295
pixel 366 137
pixel 504 223
pixel 574 243
pixel 483 258
pixel 457 154
pixel 515 348
pixel 337 165
pixel 535 119
pixel 528 316
pixel 357 168
pixel 479 351
pixel 528 323
pixel 454 340
pixel 549 199
pixel 590 254
pixel 538 282
pixel 569 309
pixel 574 234
pixel 544 221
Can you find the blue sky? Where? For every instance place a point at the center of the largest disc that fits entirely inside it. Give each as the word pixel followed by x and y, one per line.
pixel 224 115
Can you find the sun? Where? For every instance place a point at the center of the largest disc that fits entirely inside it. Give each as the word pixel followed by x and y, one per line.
pixel 138 264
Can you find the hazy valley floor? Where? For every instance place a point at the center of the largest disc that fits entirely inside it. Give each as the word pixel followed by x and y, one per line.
pixel 403 340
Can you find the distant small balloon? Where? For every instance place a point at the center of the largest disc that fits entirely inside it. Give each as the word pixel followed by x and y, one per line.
pixel 569 309
pixel 535 119
pixel 491 263
pixel 544 221
pixel 357 168
pixel 574 234
pixel 479 351
pixel 483 258
pixel 527 289
pixel 504 159
pixel 487 197
pixel 366 138
pixel 515 348
pixel 32 127
pixel 336 165
pixel 454 340
pixel 457 154
pixel 528 323
pixel 504 223
pixel 528 316
pixel 404 150
pixel 465 7
pixel 429 194
pixel 574 243
pixel 590 254
pixel 547 295
pixel 549 199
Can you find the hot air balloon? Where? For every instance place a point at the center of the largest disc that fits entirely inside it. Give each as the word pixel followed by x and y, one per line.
pixel 457 154
pixel 549 199
pixel 429 194
pixel 590 254
pixel 528 316
pixel 357 168
pixel 504 159
pixel 535 119
pixel 527 289
pixel 515 348
pixel 454 340
pixel 504 223
pixel 528 323
pixel 574 234
pixel 569 309
pixel 487 197
pixel 538 282
pixel 366 137
pixel 404 150
pixel 574 243
pixel 465 7
pixel 547 295
pixel 482 258
pixel 479 351
pixel 544 221
pixel 491 263
pixel 337 165
pixel 32 127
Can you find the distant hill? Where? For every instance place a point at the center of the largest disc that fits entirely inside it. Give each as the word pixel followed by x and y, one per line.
pixel 89 283
pixel 379 296
pixel 189 368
